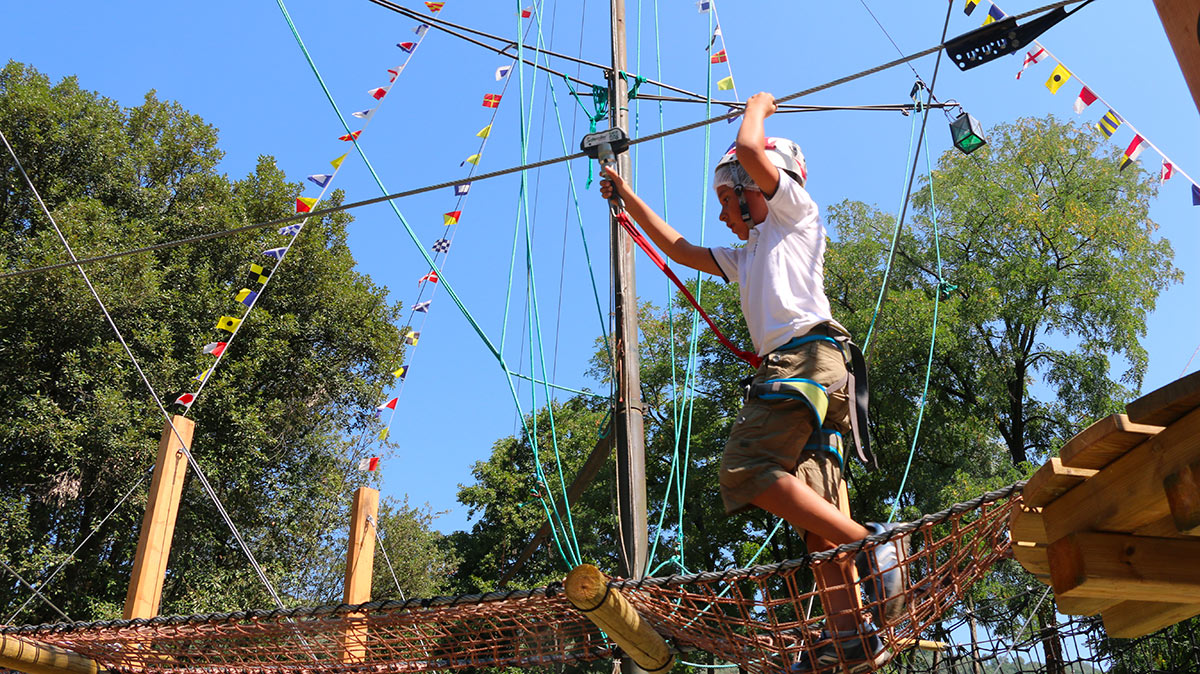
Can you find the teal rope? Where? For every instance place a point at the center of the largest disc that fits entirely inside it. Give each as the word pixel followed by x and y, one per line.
pixel 895 234
pixel 937 297
pixel 558 386
pixel 407 227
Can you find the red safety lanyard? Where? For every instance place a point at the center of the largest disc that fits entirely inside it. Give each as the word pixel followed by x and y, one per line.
pixel 752 358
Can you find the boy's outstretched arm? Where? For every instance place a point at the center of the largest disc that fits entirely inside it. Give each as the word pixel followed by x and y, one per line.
pixel 752 143
pixel 662 234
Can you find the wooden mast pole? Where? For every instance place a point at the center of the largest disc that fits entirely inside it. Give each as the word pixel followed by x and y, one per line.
pixel 629 424
pixel 360 567
pixel 158 524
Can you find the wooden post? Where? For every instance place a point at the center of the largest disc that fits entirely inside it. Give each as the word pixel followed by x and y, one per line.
pixel 25 655
pixel 158 524
pixel 587 590
pixel 360 567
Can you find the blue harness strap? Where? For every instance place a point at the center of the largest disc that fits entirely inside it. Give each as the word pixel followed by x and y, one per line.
pixel 828 440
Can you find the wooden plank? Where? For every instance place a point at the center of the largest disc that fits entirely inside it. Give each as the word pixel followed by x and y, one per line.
pixel 1025 525
pixel 1034 559
pixel 32 657
pixel 1160 528
pixel 1125 567
pixel 360 568
pixel 1183 497
pixel 1084 605
pixel 1104 441
pixel 1128 493
pixel 158 524
pixel 1179 19
pixel 1138 618
pixel 1052 480
pixel 1169 403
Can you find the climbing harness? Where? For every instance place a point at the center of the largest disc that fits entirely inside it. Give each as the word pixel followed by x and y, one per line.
pixel 816 396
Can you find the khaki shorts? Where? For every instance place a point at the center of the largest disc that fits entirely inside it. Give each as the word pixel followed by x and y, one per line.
pixel 768 439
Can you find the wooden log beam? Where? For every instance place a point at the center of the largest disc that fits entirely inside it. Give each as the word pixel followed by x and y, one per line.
pixel 1052 480
pixel 1179 19
pixel 1104 442
pixel 1085 605
pixel 1183 498
pixel 360 568
pixel 1138 618
pixel 31 657
pixel 587 590
pixel 1124 567
pixel 158 524
pixel 1128 493
pixel 1025 525
pixel 1169 403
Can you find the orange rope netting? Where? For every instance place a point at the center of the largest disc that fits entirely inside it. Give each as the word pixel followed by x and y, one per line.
pixel 752 617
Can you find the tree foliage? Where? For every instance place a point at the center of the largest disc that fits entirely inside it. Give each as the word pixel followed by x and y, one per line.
pixel 276 426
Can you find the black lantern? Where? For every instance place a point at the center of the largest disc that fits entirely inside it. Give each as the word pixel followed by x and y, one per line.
pixel 967 133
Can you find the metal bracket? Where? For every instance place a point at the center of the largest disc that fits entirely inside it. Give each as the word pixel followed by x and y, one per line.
pixel 1001 38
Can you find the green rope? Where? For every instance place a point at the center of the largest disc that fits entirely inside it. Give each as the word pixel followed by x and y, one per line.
pixel 600 103
pixel 912 134
pixel 937 295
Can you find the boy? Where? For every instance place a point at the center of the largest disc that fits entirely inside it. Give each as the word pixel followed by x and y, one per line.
pixel 784 453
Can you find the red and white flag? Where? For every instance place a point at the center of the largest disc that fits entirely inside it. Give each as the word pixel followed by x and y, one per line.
pixel 432 277
pixel 215 348
pixel 1085 98
pixel 527 12
pixel 377 93
pixel 1136 146
pixel 186 399
pixel 1167 170
pixel 389 405
pixel 369 464
pixel 1032 57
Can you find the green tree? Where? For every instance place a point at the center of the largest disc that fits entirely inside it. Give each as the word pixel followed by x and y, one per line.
pixel 277 424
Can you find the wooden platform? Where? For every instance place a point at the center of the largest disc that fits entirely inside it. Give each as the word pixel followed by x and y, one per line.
pixel 1113 523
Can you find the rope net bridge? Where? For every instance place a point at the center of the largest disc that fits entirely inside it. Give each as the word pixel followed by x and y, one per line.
pixel 753 617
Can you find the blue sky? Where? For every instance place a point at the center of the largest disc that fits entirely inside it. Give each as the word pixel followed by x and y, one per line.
pixel 237 65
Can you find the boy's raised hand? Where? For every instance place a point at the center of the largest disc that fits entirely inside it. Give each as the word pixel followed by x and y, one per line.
pixel 611 184
pixel 762 103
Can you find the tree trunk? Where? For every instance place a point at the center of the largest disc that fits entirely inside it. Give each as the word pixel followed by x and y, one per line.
pixel 1051 641
pixel 976 667
pixel 1016 413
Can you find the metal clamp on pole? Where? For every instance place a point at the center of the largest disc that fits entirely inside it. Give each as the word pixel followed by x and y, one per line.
pixel 604 146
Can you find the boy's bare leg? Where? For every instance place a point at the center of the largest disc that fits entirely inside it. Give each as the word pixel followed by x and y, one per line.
pixel 835 581
pixel 792 499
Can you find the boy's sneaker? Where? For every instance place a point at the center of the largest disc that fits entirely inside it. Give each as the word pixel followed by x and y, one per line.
pixel 853 653
pixel 884 574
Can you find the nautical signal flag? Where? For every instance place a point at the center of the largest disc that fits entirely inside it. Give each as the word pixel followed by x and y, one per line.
pixel 389 405
pixel 1032 57
pixel 377 93
pixel 502 72
pixel 703 6
pixel 186 399
pixel 435 7
pixel 725 84
pixel 215 348
pixel 228 323
pixel 350 136
pixel 451 218
pixel 305 204
pixel 1195 195
pixel 369 464
pixel 1167 170
pixel 383 434
pixel 473 159
pixel 422 307
pixel 407 47
pixel 395 72
pixel 1086 98
pixel 970 7
pixel 462 189
pixel 527 12
pixel 1136 146
pixel 247 296
pixel 421 28
pixel 491 100
pixel 291 230
pixel 202 376
pixel 412 337
pixel 258 274
pixel 276 253
pixel 1108 123
pixel 719 57
pixel 364 114
pixel 321 179
pixel 485 131
pixel 441 246
pixel 337 163
pixel 401 372
pixel 1058 78
pixel 994 14
pixel 432 277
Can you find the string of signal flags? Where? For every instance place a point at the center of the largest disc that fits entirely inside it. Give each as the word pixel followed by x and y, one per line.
pixel 260 273
pixel 1109 123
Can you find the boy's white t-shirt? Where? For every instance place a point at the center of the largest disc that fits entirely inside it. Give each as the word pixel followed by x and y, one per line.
pixel 780 270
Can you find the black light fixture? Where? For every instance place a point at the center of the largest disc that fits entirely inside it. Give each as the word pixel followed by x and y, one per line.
pixel 967 133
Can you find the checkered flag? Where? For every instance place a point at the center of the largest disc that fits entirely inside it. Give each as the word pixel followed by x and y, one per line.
pixel 441 246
